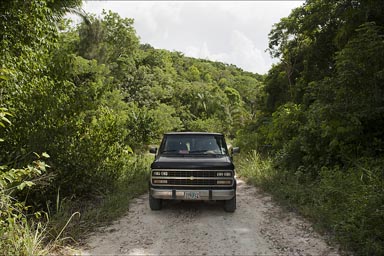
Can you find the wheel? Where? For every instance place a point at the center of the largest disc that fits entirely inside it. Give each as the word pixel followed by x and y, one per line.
pixel 154 203
pixel 230 205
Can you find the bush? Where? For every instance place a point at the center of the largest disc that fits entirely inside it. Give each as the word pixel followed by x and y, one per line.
pixel 350 203
pixel 18 235
pixel 345 202
pixel 101 209
pixel 255 169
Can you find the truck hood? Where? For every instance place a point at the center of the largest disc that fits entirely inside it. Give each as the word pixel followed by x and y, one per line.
pixel 195 162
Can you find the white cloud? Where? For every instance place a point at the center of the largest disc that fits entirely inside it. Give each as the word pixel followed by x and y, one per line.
pixel 242 51
pixel 192 51
pixel 246 54
pixel 234 32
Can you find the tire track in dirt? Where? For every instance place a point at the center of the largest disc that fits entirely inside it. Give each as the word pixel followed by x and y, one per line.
pixel 258 227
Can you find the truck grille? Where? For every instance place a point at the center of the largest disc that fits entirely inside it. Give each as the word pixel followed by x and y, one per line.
pixel 192 182
pixel 192 178
pixel 192 173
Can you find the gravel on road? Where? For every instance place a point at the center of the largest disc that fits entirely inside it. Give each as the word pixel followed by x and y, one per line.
pixel 257 227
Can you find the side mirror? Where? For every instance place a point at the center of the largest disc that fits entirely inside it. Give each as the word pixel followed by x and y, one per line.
pixel 235 150
pixel 153 150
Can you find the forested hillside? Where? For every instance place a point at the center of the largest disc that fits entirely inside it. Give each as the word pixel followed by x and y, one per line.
pixel 80 104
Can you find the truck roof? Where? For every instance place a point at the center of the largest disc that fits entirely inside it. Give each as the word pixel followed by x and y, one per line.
pixel 192 133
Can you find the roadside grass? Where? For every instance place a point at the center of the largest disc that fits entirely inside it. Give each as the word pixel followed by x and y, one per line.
pixel 23 238
pixel 74 219
pixel 347 204
pixel 71 219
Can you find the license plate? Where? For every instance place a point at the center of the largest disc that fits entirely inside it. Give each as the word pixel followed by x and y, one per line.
pixel 192 195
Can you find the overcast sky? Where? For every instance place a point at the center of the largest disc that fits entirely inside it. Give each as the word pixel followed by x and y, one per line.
pixel 233 32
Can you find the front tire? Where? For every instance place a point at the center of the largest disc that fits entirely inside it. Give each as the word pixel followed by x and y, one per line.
pixel 230 205
pixel 154 203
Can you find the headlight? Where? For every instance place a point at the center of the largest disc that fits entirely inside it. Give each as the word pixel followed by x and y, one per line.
pixel 160 173
pixel 226 174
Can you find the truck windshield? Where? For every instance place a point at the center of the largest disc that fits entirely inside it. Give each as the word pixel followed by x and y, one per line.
pixel 205 144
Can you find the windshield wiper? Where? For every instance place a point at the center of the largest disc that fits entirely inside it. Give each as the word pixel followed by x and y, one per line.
pixel 197 151
pixel 205 152
pixel 170 151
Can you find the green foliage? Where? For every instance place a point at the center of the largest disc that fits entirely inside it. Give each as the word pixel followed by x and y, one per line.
pixel 193 74
pixel 350 202
pixel 331 65
pixel 19 236
pixel 100 210
pixel 4 117
pixel 256 169
pixel 141 126
pixel 322 119
pixel 207 125
pixel 108 39
pixel 166 119
pixel 345 203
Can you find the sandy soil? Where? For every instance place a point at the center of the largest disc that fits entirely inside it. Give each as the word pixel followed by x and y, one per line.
pixel 258 227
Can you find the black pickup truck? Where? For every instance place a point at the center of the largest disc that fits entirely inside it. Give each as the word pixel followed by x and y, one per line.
pixel 193 166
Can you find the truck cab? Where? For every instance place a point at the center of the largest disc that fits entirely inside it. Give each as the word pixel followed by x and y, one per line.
pixel 193 166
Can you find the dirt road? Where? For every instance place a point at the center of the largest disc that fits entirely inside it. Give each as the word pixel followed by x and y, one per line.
pixel 258 227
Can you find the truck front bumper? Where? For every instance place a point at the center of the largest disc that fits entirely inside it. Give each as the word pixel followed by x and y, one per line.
pixel 203 194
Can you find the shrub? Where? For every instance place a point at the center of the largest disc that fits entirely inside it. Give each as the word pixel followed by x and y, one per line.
pixel 18 235
pixel 345 202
